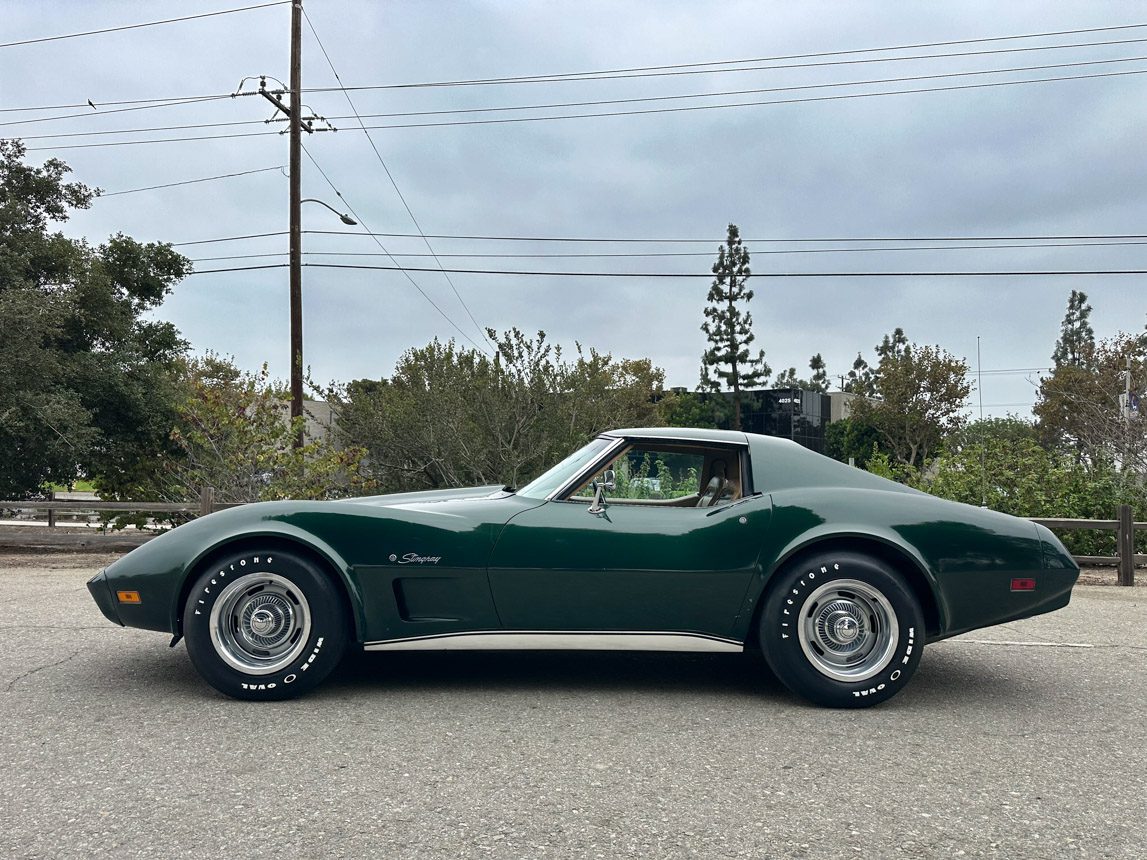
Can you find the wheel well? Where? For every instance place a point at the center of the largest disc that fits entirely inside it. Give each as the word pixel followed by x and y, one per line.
pixel 890 555
pixel 264 542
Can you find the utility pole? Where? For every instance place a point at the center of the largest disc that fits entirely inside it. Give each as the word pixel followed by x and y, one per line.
pixel 1127 394
pixel 296 240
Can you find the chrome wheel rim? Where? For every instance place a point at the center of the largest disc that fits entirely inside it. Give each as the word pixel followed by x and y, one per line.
pixel 848 630
pixel 260 623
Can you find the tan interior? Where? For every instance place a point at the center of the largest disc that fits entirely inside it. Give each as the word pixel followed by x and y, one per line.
pixel 724 464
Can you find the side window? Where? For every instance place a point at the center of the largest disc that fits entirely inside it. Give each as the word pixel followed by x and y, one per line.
pixel 688 476
pixel 649 473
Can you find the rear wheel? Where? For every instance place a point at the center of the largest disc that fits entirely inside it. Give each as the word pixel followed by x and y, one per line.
pixel 842 630
pixel 264 625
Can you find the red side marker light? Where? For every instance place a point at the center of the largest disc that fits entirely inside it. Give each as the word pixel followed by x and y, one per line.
pixel 1023 585
pixel 133 596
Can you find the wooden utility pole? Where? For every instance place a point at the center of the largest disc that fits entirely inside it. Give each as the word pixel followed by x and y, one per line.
pixel 296 241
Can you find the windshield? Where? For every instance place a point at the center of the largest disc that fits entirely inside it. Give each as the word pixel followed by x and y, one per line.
pixel 549 481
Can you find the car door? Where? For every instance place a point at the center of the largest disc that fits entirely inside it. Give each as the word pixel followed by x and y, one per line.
pixel 639 565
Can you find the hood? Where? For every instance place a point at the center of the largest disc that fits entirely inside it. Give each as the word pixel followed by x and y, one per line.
pixel 395 499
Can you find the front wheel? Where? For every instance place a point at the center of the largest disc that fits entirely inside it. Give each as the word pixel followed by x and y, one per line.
pixel 842 630
pixel 264 625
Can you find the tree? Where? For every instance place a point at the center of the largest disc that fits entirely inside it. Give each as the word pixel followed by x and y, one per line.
pixel 851 437
pixel 85 376
pixel 729 327
pixel 1079 408
pixel 818 381
pixel 920 397
pixel 1000 462
pixel 681 408
pixel 860 379
pixel 893 346
pixel 1077 338
pixel 451 416
pixel 233 432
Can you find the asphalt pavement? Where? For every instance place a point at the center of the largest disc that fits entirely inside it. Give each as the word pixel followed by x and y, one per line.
pixel 1022 741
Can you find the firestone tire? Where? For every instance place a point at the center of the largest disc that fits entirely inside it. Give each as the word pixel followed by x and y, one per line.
pixel 842 630
pixel 265 625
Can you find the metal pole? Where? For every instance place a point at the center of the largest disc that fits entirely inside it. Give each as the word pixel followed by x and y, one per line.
pixel 983 434
pixel 296 246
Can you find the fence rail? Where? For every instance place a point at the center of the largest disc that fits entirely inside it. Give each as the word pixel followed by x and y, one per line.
pixel 1124 527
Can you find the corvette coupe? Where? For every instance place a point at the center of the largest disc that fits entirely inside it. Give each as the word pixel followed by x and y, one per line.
pixel 661 539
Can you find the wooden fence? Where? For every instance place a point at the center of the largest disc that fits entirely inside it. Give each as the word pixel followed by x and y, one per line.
pixel 1124 526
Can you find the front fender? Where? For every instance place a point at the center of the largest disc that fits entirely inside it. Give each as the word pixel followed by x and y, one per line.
pixel 161 570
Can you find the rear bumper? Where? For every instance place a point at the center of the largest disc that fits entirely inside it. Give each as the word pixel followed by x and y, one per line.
pixel 101 592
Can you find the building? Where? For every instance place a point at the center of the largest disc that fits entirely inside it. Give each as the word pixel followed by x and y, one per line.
pixel 789 413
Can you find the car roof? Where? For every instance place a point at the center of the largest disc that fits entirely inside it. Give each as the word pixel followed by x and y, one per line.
pixel 777 463
pixel 691 434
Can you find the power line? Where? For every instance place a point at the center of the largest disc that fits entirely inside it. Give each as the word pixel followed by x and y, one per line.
pixel 161 102
pixel 806 100
pixel 1083 238
pixel 754 91
pixel 617 113
pixel 158 140
pixel 543 77
pixel 138 26
pixel 718 240
pixel 396 266
pixel 230 239
pixel 154 105
pixel 589 103
pixel 148 130
pixel 677 254
pixel 770 275
pixel 190 181
pixel 690 68
pixel 394 184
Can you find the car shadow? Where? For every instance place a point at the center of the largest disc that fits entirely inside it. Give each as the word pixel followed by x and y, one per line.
pixel 570 671
pixel 946 679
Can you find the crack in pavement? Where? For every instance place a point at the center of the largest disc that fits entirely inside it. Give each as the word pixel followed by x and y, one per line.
pixel 8 687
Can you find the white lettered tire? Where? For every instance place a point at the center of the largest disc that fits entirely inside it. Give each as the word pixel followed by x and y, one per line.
pixel 264 625
pixel 842 630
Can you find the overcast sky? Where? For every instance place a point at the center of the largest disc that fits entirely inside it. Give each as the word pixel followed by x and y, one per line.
pixel 1042 159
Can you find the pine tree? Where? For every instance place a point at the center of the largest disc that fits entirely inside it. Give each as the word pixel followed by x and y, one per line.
pixel 1077 338
pixel 894 345
pixel 817 382
pixel 860 379
pixel 819 379
pixel 729 327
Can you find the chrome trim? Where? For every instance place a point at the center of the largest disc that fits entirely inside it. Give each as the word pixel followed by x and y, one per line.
pixel 589 470
pixel 260 623
pixel 564 640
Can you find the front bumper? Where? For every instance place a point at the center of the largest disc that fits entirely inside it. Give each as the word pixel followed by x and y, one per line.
pixel 101 592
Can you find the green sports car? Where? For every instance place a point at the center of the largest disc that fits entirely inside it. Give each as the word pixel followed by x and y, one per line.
pixel 661 539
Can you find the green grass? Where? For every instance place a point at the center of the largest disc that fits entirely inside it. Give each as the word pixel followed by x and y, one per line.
pixel 78 487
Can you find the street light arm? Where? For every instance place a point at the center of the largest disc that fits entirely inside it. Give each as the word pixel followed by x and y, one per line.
pixel 346 219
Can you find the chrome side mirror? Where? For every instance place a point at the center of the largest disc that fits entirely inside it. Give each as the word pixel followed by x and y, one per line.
pixel 608 483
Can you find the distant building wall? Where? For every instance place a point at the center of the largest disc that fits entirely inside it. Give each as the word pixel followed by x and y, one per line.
pixel 841 405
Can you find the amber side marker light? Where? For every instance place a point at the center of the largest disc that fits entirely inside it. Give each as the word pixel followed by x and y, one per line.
pixel 133 596
pixel 1023 585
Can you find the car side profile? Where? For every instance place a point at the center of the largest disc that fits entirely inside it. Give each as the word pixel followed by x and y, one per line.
pixel 657 539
